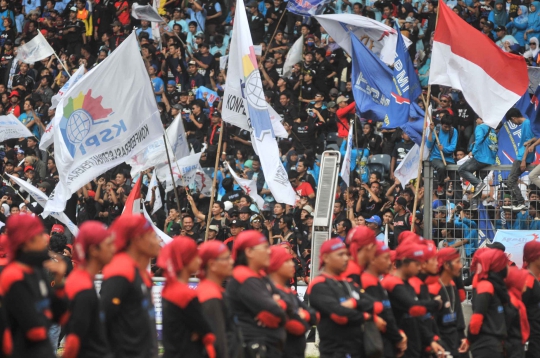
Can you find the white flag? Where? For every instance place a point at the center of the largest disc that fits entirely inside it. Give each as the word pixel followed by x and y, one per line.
pixel 248 186
pixel 35 50
pixel 277 126
pixel 384 38
pixel 145 12
pixel 223 62
pixel 158 203
pixel 164 238
pixel 244 98
pixel 203 182
pixel 11 127
pixel 104 119
pixel 184 171
pixel 407 170
pixel 41 198
pixel 72 80
pixel 294 56
pixel 346 166
pixel 154 154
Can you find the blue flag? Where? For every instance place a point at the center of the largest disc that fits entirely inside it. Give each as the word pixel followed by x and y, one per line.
pixel 415 126
pixel 381 94
pixel 306 7
pixel 485 226
pixel 405 74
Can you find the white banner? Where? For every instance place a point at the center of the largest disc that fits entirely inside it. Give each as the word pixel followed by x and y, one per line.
pixel 346 165
pixel 35 50
pixel 158 203
pixel 104 119
pixel 248 186
pixel 72 80
pixel 41 198
pixel 11 127
pixel 145 12
pixel 244 99
pixel 407 170
pixel 294 56
pixel 384 38
pixel 154 154
pixel 184 171
pixel 513 241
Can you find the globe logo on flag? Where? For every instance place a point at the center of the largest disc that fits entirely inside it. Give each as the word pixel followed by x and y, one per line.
pixel 254 91
pixel 79 115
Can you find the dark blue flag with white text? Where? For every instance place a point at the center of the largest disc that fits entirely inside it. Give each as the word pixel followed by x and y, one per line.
pixel 306 7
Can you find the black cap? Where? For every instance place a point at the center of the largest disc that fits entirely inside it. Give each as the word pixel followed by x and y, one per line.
pixel 496 245
pixel 500 28
pixel 216 114
pixel 245 210
pixel 237 223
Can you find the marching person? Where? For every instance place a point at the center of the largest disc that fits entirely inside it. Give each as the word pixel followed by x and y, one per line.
pixel 487 327
pixel 31 304
pixel 407 307
pixel 216 267
pixel 394 339
pixel 85 331
pixel 450 321
pixel 516 313
pixel 186 333
pixel 300 317
pixel 259 311
pixel 126 292
pixel 343 310
pixel 362 245
pixel 531 296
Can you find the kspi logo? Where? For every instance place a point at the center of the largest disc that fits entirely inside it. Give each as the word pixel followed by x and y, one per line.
pixel 81 114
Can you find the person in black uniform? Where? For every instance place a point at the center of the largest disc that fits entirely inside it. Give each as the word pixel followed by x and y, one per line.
pixel 362 247
pixel 343 310
pixel 85 331
pixel 126 294
pixel 408 309
pixel 300 317
pixel 255 21
pixel 30 302
pixel 394 339
pixel 216 267
pixel 487 328
pixel 516 313
pixel 186 333
pixel 531 297
pixel 259 310
pixel 450 321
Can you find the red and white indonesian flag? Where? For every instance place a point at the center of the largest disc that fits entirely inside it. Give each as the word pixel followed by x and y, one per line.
pixel 491 80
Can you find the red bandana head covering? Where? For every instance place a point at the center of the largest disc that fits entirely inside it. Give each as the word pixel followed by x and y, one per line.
pixel 211 250
pixel 531 252
pixel 176 254
pixel 381 249
pixel 247 239
pixel 359 237
pixel 278 256
pixel 488 260
pixel 90 233
pixel 328 247
pixel 127 226
pixel 408 235
pixel 445 255
pixel 430 250
pixel 515 281
pixel 21 229
pixel 410 250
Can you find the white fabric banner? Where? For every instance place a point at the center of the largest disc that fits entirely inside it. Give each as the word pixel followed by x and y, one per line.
pixel 41 198
pixel 158 203
pixel 72 80
pixel 164 238
pixel 407 170
pixel 35 50
pixel 203 182
pixel 244 99
pixel 11 127
pixel 277 126
pixel 104 119
pixel 384 38
pixel 294 56
pixel 513 241
pixel 346 166
pixel 145 12
pixel 223 62
pixel 154 154
pixel 248 186
pixel 184 171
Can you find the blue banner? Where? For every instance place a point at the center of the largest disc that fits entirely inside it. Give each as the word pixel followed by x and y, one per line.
pixel 513 241
pixel 211 96
pixel 306 7
pixel 381 94
pixel 485 226
pixel 415 126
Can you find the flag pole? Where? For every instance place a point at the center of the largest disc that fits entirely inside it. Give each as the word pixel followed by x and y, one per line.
pixel 426 104
pixel 9 183
pixel 63 66
pixel 213 195
pixel 417 186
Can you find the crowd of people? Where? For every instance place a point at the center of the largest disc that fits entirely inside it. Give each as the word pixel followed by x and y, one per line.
pixel 316 103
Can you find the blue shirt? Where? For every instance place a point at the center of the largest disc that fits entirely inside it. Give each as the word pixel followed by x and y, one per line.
pixel 526 134
pixel 199 17
pixel 25 119
pixel 148 31
pixel 448 144
pixel 481 150
pixel 183 23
